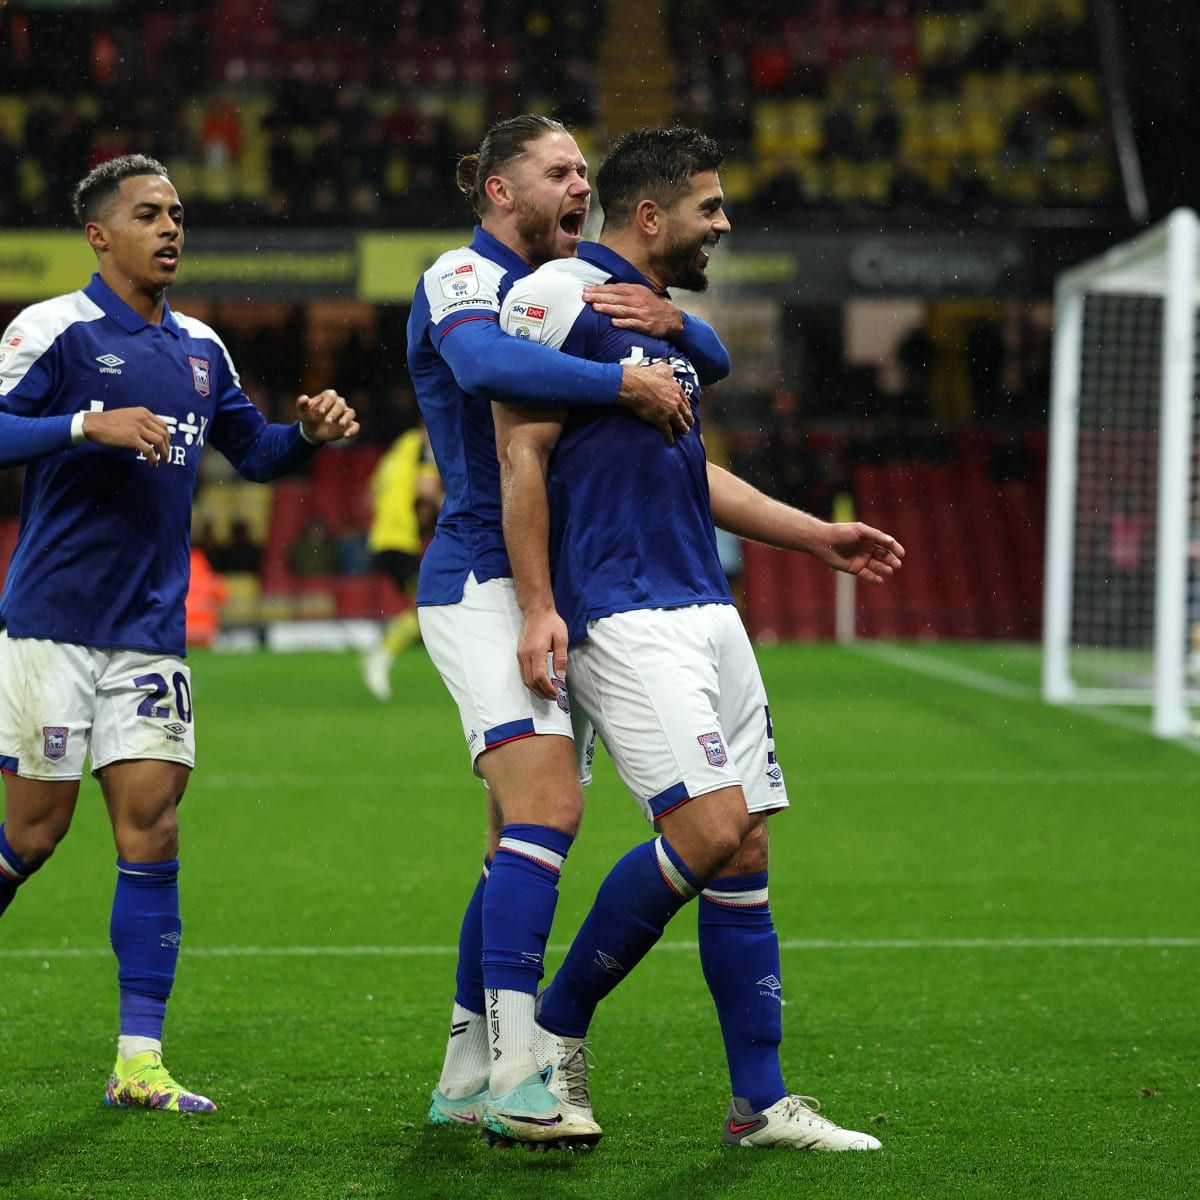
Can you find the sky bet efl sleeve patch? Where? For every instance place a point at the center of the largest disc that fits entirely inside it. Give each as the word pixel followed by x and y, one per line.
pixel 526 320
pixel 460 282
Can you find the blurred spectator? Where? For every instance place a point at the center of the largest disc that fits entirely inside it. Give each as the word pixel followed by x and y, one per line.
pixel 239 554
pixel 314 551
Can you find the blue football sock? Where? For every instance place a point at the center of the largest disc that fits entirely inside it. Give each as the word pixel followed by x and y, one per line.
pixel 739 951
pixel 518 906
pixel 145 932
pixel 13 872
pixel 636 900
pixel 469 977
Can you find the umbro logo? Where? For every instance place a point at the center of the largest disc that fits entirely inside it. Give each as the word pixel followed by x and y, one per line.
pixel 172 940
pixel 608 963
pixel 110 364
pixel 175 727
pixel 773 985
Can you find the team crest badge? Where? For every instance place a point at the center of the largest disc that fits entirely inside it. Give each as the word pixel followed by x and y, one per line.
pixel 200 375
pixel 714 749
pixel 461 283
pixel 55 741
pixel 560 691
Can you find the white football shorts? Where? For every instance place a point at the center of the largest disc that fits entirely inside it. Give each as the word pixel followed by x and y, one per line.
pixel 61 703
pixel 473 644
pixel 679 703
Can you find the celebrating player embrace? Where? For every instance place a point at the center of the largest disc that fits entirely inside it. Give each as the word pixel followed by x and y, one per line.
pixel 610 536
pixel 111 398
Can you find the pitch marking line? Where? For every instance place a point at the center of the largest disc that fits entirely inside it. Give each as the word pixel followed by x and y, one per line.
pixel 1059 943
pixel 927 664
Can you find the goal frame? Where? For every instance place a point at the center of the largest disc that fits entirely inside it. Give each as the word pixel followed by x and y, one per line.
pixel 1163 261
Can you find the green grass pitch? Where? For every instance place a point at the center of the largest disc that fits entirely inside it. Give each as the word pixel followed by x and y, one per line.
pixel 990 913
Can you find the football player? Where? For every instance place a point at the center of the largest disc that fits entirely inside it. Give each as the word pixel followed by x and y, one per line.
pixel 109 398
pixel 610 533
pixel 528 186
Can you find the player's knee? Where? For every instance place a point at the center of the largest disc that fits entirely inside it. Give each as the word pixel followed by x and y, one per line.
pixel 35 843
pixel 751 856
pixel 150 836
pixel 722 839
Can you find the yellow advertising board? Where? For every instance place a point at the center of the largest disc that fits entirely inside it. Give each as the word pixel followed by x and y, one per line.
pixel 35 266
pixel 390 264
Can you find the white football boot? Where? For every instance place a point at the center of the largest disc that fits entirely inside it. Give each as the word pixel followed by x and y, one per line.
pixel 792 1122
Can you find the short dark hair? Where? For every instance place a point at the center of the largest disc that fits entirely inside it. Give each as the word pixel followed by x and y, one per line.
pixel 503 143
pixel 652 163
pixel 96 190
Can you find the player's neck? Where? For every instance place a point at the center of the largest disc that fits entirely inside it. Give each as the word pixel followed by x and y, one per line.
pixel 148 305
pixel 634 251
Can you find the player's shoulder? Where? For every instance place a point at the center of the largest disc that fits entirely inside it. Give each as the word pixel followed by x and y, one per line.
pixel 35 330
pixel 462 275
pixel 560 279
pixel 41 324
pixel 545 306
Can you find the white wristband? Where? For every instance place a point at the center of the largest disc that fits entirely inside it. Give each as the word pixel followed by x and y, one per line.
pixel 77 429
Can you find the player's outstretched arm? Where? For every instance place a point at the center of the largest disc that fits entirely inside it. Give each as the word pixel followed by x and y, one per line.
pixel 849 546
pixel 524 442
pixel 634 306
pixel 326 417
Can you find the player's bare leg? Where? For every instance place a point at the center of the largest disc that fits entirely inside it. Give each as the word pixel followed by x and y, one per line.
pixel 37 815
pixel 142 797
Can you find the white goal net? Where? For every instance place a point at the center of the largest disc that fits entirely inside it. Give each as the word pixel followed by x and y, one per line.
pixel 1122 602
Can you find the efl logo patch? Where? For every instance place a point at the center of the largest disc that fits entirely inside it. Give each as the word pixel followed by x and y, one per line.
pixel 13 341
pixel 714 749
pixel 528 320
pixel 200 375
pixel 460 283
pixel 55 741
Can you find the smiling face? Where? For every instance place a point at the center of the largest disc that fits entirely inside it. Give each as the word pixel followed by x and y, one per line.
pixel 695 223
pixel 550 195
pixel 139 238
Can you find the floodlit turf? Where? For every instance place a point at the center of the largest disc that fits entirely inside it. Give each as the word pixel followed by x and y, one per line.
pixel 990 910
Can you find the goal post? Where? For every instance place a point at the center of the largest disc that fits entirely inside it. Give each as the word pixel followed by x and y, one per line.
pixel 1122 564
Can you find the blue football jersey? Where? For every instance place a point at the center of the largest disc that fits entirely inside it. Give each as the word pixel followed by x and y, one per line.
pixel 463 286
pixel 630 517
pixel 102 557
pixel 460 363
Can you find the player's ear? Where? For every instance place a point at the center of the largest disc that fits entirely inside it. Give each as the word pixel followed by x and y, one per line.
pixel 96 235
pixel 648 218
pixel 499 191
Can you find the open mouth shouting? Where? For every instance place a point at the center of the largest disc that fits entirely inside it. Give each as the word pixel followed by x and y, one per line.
pixel 168 256
pixel 571 222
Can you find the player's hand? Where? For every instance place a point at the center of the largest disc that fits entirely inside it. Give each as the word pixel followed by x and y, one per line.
pixel 133 428
pixel 653 393
pixel 858 549
pixel 634 306
pixel 543 647
pixel 326 417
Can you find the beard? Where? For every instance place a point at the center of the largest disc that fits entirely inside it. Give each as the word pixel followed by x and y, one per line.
pixel 537 231
pixel 679 265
